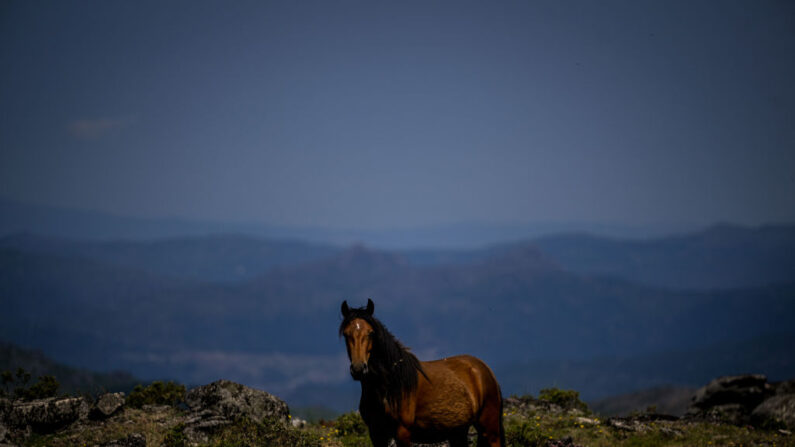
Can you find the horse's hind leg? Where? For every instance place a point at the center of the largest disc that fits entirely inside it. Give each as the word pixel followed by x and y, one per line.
pixel 489 424
pixel 488 438
pixel 460 438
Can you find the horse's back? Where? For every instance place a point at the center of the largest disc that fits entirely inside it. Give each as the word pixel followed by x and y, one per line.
pixel 455 391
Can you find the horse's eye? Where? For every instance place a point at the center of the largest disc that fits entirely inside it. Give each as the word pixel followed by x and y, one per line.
pixel 371 335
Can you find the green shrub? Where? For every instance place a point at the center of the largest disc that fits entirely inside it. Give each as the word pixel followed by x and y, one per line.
pixel 176 437
pixel 351 430
pixel 46 386
pixel 157 393
pixel 350 424
pixel 567 399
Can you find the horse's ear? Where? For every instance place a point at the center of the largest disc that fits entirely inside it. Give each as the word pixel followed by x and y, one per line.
pixel 370 306
pixel 345 309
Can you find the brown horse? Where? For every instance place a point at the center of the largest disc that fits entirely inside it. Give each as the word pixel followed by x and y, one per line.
pixel 409 400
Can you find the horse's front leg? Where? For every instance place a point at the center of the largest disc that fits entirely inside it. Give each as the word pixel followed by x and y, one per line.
pixel 379 433
pixel 403 436
pixel 379 439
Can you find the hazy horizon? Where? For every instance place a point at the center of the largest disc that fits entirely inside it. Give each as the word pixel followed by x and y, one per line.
pixel 84 224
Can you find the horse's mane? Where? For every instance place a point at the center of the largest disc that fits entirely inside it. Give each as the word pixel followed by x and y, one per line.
pixel 393 367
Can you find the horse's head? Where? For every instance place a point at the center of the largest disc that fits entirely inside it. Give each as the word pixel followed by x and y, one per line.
pixel 359 336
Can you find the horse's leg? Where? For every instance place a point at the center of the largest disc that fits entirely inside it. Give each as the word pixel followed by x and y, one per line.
pixel 460 438
pixel 489 424
pixel 403 436
pixel 378 433
pixel 379 440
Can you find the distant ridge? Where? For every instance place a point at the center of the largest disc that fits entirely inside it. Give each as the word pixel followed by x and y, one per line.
pixel 19 217
pixel 71 380
pixel 213 258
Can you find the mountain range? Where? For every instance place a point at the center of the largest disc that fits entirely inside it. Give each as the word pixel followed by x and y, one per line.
pixel 602 315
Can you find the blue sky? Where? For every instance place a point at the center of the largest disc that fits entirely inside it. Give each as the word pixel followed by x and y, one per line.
pixel 375 115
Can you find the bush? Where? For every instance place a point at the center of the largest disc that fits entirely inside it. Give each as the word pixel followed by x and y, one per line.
pixel 351 430
pixel 176 437
pixel 46 386
pixel 351 424
pixel 567 399
pixel 157 393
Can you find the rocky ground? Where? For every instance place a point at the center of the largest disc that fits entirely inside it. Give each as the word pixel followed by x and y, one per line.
pixel 730 411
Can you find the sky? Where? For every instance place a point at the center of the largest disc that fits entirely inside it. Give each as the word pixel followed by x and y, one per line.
pixel 402 114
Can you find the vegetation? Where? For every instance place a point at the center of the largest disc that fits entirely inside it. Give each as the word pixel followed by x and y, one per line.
pixel 566 399
pixel 157 393
pixel 350 430
pixel 175 437
pixel 270 432
pixel 16 385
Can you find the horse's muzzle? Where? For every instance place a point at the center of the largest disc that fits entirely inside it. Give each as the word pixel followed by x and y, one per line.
pixel 358 370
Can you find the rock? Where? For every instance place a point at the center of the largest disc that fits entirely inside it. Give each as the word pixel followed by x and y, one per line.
pixel 220 403
pixel 134 440
pixel 626 424
pixel 776 412
pixel 730 399
pixel 589 421
pixel 233 400
pixel 107 404
pixel 47 415
pixel 735 414
pixel 786 387
pixel 297 422
pixel 5 410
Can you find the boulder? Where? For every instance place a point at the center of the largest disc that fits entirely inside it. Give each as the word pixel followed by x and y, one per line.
pixel 776 412
pixel 107 404
pixel 730 399
pixel 220 403
pixel 47 415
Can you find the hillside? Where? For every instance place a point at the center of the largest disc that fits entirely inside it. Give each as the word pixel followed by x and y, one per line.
pixel 603 377
pixel 71 380
pixel 723 256
pixel 672 400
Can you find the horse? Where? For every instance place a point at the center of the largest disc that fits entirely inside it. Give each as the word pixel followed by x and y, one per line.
pixel 412 401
